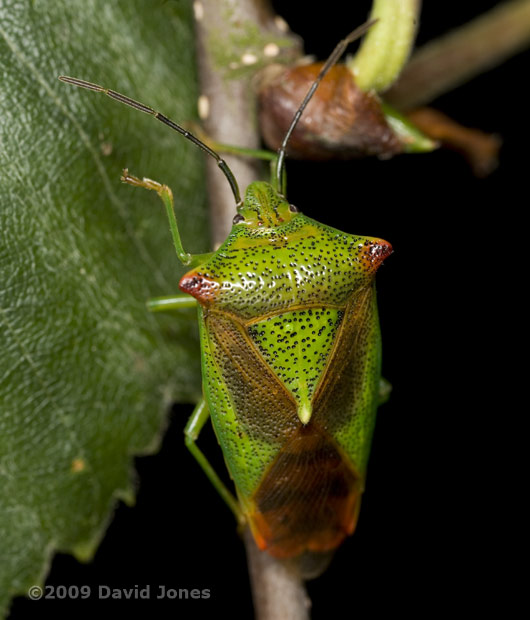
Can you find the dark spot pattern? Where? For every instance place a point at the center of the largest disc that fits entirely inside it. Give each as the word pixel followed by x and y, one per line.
pixel 260 271
pixel 296 345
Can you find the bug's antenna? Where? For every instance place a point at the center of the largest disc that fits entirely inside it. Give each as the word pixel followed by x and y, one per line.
pixel 164 119
pixel 335 55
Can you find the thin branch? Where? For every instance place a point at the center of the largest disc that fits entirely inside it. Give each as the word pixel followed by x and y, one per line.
pixel 277 593
pixel 455 58
pixel 234 36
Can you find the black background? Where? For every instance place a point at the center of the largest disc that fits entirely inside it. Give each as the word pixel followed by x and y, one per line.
pixel 427 536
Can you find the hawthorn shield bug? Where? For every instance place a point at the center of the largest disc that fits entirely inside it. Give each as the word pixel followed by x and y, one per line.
pixel 291 357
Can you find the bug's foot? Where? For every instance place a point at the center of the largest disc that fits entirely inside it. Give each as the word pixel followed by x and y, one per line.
pixel 145 182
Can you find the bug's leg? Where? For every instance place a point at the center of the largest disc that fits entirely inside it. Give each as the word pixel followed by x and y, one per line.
pixel 230 148
pixel 193 428
pixel 171 302
pixel 166 195
pixel 383 394
pixel 271 156
pixel 245 152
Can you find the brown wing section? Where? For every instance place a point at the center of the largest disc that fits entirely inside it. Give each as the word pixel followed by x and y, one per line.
pixel 262 404
pixel 309 499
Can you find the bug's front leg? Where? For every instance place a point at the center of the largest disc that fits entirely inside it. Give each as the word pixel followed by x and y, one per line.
pixel 166 196
pixel 269 156
pixel 169 303
pixel 193 428
pixel 231 149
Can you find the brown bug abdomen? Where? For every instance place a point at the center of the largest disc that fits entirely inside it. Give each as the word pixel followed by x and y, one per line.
pixel 308 500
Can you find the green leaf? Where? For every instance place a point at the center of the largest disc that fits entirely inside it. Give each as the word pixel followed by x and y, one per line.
pixel 86 373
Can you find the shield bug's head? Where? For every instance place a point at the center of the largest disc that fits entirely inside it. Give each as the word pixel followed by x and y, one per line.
pixel 264 207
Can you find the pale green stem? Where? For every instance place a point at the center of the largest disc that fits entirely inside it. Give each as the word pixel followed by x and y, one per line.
pixel 455 58
pixel 386 48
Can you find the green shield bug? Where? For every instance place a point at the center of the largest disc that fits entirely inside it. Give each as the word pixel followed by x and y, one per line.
pixel 290 349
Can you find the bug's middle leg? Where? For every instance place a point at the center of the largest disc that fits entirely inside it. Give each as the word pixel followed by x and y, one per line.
pixel 168 303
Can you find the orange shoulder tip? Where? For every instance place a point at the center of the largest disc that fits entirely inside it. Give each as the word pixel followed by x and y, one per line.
pixel 199 286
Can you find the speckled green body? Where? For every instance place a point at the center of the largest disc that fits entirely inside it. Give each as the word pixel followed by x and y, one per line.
pixel 291 365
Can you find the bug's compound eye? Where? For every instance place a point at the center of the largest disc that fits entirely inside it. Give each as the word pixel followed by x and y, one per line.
pixel 238 219
pixel 293 209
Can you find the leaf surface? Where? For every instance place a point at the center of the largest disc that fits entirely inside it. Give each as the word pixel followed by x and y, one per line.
pixel 86 373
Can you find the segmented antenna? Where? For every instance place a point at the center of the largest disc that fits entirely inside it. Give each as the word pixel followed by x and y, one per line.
pixel 334 57
pixel 164 119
